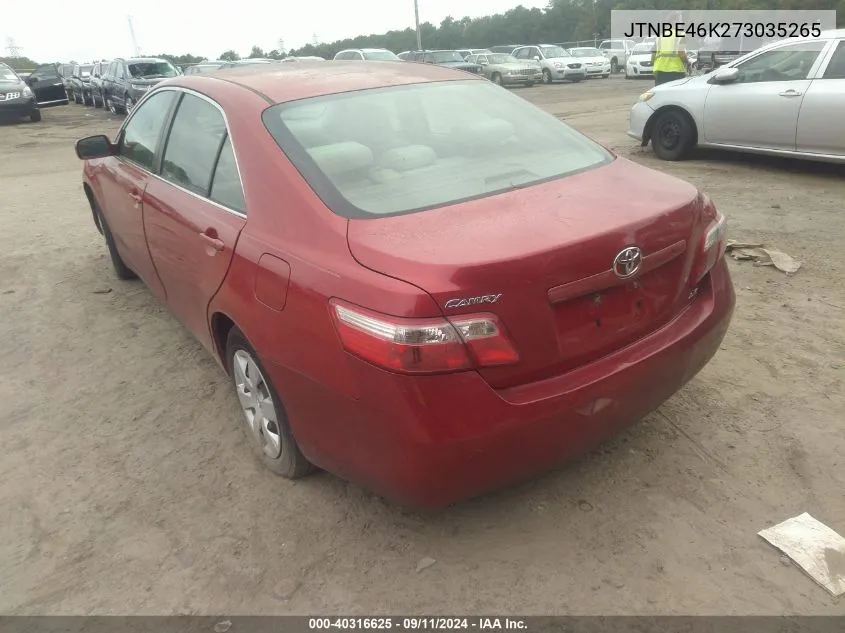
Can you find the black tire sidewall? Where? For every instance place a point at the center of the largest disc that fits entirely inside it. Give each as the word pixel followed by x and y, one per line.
pixel 290 463
pixel 685 142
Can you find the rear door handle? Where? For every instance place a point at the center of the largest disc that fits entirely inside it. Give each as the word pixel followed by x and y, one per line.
pixel 136 197
pixel 214 242
pixel 790 93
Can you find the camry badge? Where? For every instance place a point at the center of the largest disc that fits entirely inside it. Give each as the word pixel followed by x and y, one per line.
pixel 471 301
pixel 627 262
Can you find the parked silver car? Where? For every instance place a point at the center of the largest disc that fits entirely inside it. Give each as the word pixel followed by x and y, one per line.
pixel 507 70
pixel 785 98
pixel 369 54
pixel 556 62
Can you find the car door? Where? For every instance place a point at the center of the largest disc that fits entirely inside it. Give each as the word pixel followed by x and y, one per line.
pixel 46 83
pixel 760 109
pixel 108 78
pixel 820 126
pixel 128 174
pixel 194 214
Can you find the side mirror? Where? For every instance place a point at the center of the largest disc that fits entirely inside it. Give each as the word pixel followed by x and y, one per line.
pixel 536 58
pixel 31 80
pixel 725 76
pixel 98 146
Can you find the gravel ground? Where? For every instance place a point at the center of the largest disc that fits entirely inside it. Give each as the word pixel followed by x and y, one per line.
pixel 126 485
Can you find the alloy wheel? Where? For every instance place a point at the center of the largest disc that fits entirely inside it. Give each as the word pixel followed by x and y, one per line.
pixel 547 76
pixel 262 418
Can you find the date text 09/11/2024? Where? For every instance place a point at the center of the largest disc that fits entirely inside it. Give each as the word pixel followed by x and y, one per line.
pixel 416 624
pixel 724 29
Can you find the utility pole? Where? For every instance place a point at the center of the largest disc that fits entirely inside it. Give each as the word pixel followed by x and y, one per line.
pixel 417 20
pixel 135 46
pixel 14 49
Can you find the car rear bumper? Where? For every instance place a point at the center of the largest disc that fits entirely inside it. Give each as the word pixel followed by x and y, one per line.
pixel 431 441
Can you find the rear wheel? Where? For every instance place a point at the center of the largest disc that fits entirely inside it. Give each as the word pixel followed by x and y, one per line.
pixel 496 79
pixel 672 136
pixel 614 66
pixel 128 103
pixel 265 421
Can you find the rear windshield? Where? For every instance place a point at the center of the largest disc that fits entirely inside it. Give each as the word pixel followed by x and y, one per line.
pixel 385 56
pixel 151 70
pixel 402 149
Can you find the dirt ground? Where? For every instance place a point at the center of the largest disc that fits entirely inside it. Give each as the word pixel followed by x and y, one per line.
pixel 126 485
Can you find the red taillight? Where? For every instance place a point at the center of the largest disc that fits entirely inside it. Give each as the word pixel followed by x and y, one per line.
pixel 712 247
pixel 423 346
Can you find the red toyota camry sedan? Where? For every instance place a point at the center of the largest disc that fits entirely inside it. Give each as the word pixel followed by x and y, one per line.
pixel 415 279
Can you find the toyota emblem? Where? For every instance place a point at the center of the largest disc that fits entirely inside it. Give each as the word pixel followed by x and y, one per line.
pixel 627 262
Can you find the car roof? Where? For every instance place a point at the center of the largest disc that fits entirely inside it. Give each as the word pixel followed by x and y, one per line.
pixel 132 60
pixel 280 83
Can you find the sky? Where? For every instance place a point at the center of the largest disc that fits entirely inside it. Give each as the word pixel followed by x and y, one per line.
pixel 98 29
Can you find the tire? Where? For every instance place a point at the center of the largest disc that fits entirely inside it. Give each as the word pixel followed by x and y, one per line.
pixel 271 440
pixel 120 268
pixel 607 76
pixel 614 66
pixel 530 84
pixel 575 81
pixel 547 76
pixel 672 135
pixel 128 103
pixel 76 97
pixel 112 107
pixel 35 116
pixel 496 79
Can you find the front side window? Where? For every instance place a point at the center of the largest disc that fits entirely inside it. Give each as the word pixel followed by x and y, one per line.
pixel 501 58
pixel 140 139
pixel 787 63
pixel 152 70
pixel 442 57
pixel 836 67
pixel 226 187
pixel 112 71
pixel 401 149
pixel 192 146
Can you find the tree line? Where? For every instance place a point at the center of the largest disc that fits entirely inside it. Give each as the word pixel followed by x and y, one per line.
pixel 561 21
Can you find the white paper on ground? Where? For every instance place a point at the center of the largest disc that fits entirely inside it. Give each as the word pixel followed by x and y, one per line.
pixel 817 549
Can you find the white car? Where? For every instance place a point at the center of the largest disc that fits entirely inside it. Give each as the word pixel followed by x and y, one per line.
pixel 785 98
pixel 639 62
pixel 596 63
pixel 369 54
pixel 556 62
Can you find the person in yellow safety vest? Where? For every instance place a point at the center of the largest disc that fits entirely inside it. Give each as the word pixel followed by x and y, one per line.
pixel 669 56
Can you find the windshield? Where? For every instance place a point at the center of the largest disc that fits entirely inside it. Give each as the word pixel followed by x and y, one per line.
pixel 409 148
pixel 7 74
pixel 440 57
pixel 585 52
pixel 550 52
pixel 501 58
pixel 380 56
pixel 640 49
pixel 85 71
pixel 152 70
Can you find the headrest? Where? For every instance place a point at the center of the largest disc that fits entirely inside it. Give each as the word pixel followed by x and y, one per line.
pixel 408 157
pixel 339 158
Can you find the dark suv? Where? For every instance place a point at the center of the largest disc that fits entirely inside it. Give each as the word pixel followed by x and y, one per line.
pixel 96 84
pixel 80 80
pixel 16 98
pixel 65 72
pixel 127 80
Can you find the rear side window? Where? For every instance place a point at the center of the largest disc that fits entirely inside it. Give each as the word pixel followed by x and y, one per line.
pixel 140 139
pixel 836 67
pixel 226 188
pixel 193 144
pixel 403 149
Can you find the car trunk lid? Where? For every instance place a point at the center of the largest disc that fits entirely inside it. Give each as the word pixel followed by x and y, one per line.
pixel 541 259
